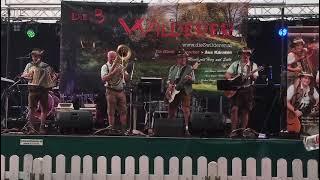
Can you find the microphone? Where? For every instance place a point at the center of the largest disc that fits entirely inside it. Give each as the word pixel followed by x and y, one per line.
pixel 28 56
pixel 22 58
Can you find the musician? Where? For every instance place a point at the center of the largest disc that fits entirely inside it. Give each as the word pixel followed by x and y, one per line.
pixel 301 98
pixel 115 95
pixel 38 94
pixel 296 60
pixel 243 100
pixel 176 74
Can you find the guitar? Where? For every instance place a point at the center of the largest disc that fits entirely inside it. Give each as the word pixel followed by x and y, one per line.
pixel 172 90
pixel 293 122
pixel 239 77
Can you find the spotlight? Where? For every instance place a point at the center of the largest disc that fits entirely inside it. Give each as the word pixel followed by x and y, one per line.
pixel 30 33
pixel 283 32
pixel 31 29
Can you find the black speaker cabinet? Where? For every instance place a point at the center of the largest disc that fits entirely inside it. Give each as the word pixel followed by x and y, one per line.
pixel 168 127
pixel 207 122
pixel 79 119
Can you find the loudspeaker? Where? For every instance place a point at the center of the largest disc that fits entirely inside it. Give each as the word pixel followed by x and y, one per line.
pixel 207 122
pixel 168 127
pixel 79 119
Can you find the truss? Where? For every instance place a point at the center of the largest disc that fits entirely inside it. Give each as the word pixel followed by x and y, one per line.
pixel 25 10
pixel 291 11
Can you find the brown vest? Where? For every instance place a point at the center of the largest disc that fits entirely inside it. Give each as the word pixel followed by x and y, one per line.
pixel 298 95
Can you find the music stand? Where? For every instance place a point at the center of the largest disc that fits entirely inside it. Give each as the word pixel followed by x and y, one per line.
pixel 153 87
pixel 6 93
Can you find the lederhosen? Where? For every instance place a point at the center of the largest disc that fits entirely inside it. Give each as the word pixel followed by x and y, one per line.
pixel 244 97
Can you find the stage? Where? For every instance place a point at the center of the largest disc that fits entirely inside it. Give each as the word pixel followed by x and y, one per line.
pixel 166 147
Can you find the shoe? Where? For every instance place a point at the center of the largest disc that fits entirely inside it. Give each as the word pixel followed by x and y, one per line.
pixel 42 130
pixel 187 133
pixel 126 132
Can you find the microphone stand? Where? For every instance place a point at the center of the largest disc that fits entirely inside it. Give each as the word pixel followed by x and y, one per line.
pixel 6 105
pixel 24 57
pixel 130 103
pixel 133 130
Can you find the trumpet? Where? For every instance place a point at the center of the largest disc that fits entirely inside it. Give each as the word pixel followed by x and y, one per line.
pixel 123 55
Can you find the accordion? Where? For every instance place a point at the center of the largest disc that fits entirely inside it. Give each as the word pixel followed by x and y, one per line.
pixel 42 76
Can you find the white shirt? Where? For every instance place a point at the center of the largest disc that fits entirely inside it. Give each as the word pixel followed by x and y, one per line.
pixel 242 68
pixel 291 58
pixel 104 71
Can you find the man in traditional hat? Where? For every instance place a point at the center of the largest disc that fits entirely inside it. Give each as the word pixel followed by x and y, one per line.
pixel 181 76
pixel 301 98
pixel 243 100
pixel 38 93
pixel 296 60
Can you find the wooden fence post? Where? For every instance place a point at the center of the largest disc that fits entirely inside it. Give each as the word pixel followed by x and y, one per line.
pixel 60 167
pixel 102 168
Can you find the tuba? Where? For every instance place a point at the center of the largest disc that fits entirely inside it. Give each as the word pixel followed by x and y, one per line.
pixel 121 61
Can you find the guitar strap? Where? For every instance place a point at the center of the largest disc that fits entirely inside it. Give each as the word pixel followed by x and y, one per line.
pixel 248 71
pixel 181 74
pixel 251 66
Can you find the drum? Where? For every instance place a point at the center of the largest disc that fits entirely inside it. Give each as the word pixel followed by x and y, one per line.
pixel 155 106
pixel 53 102
pixel 162 106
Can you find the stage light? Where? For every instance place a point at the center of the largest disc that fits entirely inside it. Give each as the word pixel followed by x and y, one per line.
pixel 31 33
pixel 16 27
pixel 31 29
pixel 283 32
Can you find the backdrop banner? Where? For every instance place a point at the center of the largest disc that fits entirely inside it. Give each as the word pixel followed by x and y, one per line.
pixel 211 33
pixel 303 80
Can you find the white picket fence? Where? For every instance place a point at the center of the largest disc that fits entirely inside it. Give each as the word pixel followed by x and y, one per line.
pixel 41 169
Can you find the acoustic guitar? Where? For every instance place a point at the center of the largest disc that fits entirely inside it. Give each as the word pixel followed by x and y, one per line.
pixel 239 77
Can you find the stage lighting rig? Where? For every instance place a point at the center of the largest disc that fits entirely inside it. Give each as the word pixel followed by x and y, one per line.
pixel 16 26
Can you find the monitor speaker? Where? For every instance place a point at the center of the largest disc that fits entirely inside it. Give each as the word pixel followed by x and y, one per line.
pixel 165 127
pixel 78 119
pixel 207 122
